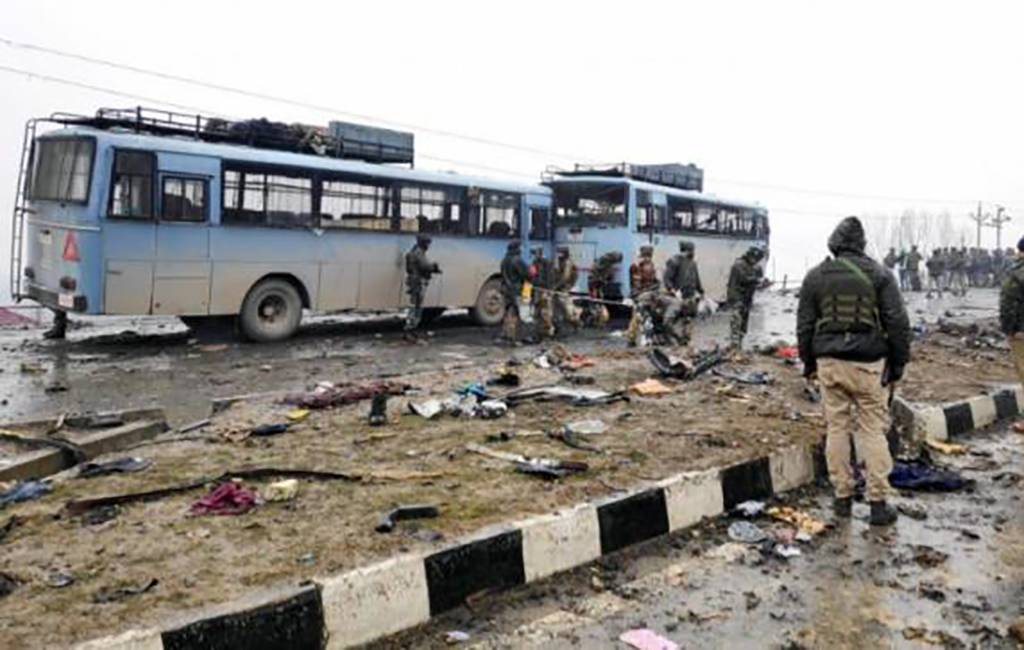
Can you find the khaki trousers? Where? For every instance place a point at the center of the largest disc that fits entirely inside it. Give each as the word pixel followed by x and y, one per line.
pixel 1017 349
pixel 857 415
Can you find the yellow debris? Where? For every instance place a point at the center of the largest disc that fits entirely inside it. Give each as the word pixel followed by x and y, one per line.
pixel 947 448
pixel 298 415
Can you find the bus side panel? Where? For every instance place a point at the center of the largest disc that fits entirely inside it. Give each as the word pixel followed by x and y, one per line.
pixel 360 269
pixel 466 264
pixel 279 251
pixel 130 248
pixel 714 256
pixel 587 244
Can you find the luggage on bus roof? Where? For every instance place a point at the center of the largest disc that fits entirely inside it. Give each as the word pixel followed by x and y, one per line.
pixel 684 177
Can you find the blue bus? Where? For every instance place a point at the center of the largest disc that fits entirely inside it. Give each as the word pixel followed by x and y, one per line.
pixel 599 209
pixel 140 213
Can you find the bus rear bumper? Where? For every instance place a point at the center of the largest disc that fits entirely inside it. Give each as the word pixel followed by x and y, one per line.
pixel 57 300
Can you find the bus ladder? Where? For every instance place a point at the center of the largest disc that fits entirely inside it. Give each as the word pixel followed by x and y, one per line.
pixel 20 210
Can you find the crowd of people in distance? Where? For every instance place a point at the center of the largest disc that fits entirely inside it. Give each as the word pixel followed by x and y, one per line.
pixel 949 269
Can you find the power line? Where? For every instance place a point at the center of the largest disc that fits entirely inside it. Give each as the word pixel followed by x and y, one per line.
pixel 407 125
pixel 282 100
pixel 160 102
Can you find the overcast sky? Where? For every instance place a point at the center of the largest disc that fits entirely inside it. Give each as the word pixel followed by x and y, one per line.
pixel 815 110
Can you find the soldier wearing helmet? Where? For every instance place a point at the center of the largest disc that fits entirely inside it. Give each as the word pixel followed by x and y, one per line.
pixel 418 271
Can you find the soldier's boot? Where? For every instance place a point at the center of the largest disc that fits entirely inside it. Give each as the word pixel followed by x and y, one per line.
pixel 58 331
pixel 882 514
pixel 843 507
pixel 379 410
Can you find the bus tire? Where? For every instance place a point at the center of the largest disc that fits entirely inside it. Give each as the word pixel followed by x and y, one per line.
pixel 489 309
pixel 271 311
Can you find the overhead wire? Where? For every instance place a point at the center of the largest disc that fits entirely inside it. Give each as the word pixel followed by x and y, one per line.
pixel 32 47
pixel 30 74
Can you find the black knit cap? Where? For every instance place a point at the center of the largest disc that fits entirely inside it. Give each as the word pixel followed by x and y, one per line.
pixel 1020 245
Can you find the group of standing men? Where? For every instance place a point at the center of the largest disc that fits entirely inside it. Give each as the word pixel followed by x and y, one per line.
pixel 949 269
pixel 664 305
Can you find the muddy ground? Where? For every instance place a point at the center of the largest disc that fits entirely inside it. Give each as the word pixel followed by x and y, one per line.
pixel 329 527
pixel 951 576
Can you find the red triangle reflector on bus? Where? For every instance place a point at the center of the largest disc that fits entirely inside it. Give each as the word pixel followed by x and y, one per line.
pixel 70 247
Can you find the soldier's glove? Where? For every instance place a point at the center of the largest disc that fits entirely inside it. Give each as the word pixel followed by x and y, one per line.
pixel 891 375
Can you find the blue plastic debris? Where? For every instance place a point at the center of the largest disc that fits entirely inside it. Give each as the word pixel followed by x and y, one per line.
pixel 24 491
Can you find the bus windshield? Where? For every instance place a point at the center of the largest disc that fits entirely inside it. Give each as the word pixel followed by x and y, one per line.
pixel 61 169
pixel 583 203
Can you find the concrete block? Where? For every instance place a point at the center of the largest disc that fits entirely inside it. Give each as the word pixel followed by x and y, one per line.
pixel 791 467
pixel 134 640
pixel 374 601
pixel 692 496
pixel 560 541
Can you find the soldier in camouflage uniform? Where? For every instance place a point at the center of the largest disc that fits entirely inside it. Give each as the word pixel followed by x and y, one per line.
pixel 744 278
pixel 682 277
pixel 601 276
pixel 514 272
pixel 418 270
pixel 542 277
pixel 643 277
pixel 664 316
pixel 566 275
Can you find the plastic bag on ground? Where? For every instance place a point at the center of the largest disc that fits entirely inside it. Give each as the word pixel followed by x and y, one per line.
pixel 644 639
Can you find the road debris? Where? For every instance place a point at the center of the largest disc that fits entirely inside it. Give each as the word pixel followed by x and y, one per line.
pixel 129 465
pixel 59 580
pixel 456 636
pixel 576 396
pixel 428 409
pixel 950 449
pixel 746 532
pixel 8 584
pixel 804 522
pixel 328 395
pixel 550 468
pixel 751 508
pixel 644 639
pixel 753 378
pixel 927 556
pixel 274 429
pixel 280 491
pixel 378 410
pixel 405 513
pixel 786 551
pixel 12 522
pixel 729 552
pixel 24 491
pixel 587 427
pixel 925 477
pixel 297 415
pixel 687 369
pixel 650 388
pixel 227 499
pixel 123 591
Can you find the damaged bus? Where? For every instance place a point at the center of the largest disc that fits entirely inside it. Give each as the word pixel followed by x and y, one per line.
pixel 599 209
pixel 137 212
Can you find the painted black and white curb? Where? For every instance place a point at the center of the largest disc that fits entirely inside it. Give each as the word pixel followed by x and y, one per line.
pixel 946 421
pixel 375 601
pixel 402 592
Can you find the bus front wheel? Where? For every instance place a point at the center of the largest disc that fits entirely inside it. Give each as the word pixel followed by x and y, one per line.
pixel 271 311
pixel 490 305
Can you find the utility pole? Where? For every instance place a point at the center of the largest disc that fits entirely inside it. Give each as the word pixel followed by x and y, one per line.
pixel 997 223
pixel 979 219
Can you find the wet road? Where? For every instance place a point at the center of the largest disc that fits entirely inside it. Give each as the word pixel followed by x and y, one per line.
pixel 954 579
pixel 115 363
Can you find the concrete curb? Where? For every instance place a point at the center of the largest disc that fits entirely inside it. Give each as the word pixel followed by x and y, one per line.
pixel 399 593
pixel 951 419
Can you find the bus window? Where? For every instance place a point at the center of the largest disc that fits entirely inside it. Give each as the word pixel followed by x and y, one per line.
pixel 183 199
pixel 707 218
pixel 539 218
pixel 500 215
pixel 132 194
pixel 360 205
pixel 422 209
pixel 61 170
pixel 680 214
pixel 582 203
pixel 254 198
pixel 649 217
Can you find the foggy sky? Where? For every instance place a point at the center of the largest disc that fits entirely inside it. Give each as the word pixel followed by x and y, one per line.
pixel 815 110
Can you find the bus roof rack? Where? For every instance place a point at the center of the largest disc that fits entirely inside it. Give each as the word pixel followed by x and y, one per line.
pixel 340 140
pixel 684 177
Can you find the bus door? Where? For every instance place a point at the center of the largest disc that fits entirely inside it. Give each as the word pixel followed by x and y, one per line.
pixel 129 233
pixel 181 271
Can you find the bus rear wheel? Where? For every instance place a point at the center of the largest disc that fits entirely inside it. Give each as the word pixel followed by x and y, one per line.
pixel 271 311
pixel 490 304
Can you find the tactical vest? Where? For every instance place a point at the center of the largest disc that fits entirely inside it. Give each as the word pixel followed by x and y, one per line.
pixel 848 302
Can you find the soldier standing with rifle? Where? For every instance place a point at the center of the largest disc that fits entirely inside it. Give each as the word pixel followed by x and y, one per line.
pixel 514 273
pixel 744 278
pixel 854 337
pixel 683 278
pixel 913 264
pixel 600 278
pixel 542 276
pixel 418 271
pixel 566 275
pixel 643 277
